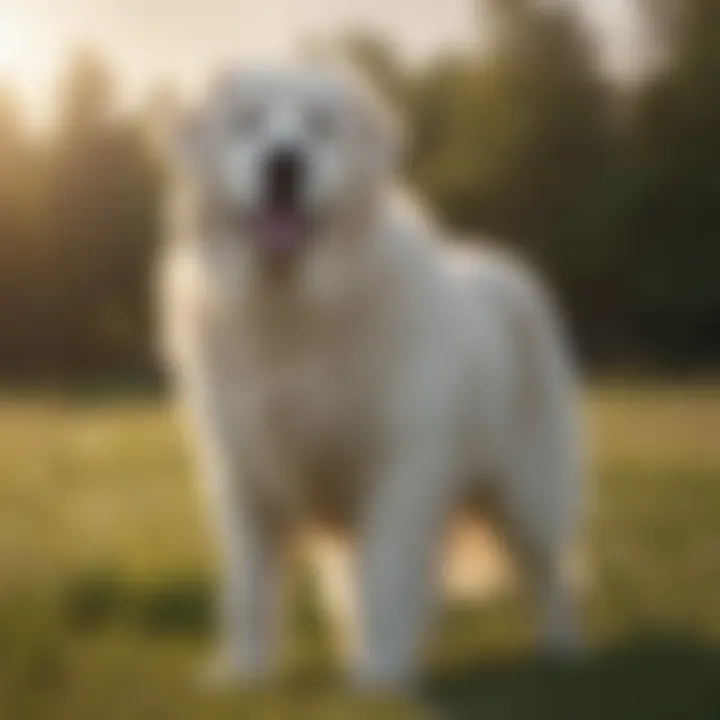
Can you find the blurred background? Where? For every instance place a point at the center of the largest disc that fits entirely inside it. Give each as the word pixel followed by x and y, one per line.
pixel 586 133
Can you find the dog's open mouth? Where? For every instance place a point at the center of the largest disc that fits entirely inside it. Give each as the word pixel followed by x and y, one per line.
pixel 281 232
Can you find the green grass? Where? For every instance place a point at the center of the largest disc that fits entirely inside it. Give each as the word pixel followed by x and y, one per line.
pixel 106 580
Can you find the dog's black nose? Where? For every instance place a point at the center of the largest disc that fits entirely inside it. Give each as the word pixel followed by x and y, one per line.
pixel 285 169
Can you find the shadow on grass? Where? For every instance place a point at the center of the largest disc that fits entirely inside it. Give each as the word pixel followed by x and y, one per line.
pixel 175 606
pixel 648 677
pixel 652 676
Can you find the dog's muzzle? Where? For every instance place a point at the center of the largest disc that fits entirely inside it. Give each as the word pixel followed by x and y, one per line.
pixel 282 226
pixel 285 171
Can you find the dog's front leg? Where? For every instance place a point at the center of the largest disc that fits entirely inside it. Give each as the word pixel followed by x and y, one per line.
pixel 249 545
pixel 249 602
pixel 399 543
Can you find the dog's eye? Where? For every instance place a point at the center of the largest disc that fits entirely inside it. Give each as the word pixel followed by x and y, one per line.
pixel 245 120
pixel 320 124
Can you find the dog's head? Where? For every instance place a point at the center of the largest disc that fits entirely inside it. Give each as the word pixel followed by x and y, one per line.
pixel 288 157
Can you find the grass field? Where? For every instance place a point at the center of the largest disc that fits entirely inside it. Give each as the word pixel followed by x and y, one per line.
pixel 106 583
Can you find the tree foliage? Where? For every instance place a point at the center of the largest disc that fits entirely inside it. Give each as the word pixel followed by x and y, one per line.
pixel 613 191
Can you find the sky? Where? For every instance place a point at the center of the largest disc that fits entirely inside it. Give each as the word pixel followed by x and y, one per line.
pixel 182 40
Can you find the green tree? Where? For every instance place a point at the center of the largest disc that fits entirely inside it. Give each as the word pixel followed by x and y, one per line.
pixel 104 204
pixel 673 219
pixel 522 143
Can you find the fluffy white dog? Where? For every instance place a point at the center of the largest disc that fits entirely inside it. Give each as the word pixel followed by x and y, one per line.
pixel 345 368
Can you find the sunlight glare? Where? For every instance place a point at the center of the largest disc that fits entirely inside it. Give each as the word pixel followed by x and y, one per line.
pixel 27 60
pixel 16 52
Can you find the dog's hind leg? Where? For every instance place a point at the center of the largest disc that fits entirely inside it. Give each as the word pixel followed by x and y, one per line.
pixel 542 492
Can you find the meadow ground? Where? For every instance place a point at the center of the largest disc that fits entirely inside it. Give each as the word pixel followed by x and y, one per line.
pixel 106 580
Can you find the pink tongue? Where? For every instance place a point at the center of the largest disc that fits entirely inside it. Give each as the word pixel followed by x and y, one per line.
pixel 281 231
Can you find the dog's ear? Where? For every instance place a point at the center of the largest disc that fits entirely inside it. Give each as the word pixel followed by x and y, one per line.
pixel 386 132
pixel 193 129
pixel 189 138
pixel 176 134
pixel 382 132
pixel 187 129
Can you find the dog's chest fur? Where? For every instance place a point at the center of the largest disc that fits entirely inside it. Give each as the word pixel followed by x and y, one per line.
pixel 304 391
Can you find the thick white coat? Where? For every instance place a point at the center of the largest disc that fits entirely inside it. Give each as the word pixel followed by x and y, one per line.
pixel 375 391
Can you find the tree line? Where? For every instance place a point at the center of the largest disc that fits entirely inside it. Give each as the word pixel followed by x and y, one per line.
pixel 612 189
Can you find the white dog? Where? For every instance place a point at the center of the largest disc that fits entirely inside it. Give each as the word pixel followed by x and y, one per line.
pixel 343 367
